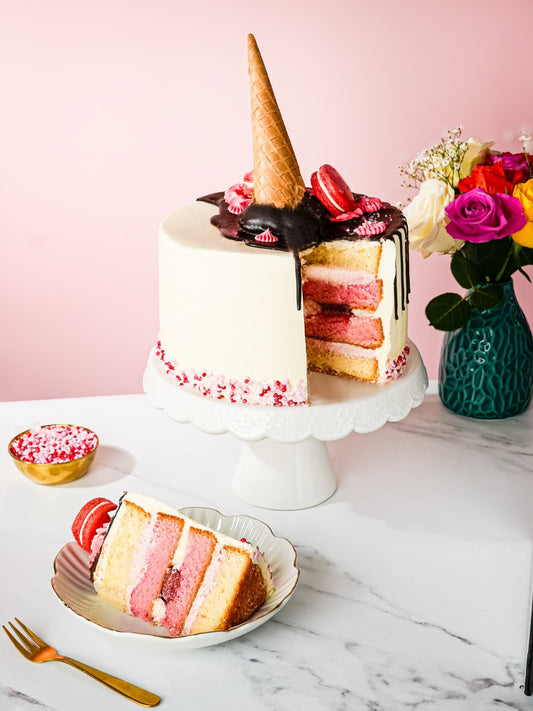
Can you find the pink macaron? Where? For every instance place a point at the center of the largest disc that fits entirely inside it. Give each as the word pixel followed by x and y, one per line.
pixel 92 516
pixel 332 190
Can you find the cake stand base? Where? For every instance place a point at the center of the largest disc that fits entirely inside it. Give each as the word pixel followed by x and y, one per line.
pixel 282 475
pixel 284 462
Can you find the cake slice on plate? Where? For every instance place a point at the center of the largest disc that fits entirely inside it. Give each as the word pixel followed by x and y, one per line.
pixel 154 563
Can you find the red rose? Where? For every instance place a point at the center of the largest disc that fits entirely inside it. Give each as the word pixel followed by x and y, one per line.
pixel 491 178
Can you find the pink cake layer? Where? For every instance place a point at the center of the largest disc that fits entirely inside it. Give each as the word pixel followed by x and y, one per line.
pixel 365 295
pixel 208 583
pixel 156 550
pixel 345 328
pixel 200 548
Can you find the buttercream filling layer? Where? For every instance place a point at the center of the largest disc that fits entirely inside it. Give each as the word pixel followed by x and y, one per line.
pixel 346 350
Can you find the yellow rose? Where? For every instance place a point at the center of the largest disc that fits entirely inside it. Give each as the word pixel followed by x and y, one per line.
pixel 524 193
pixel 426 219
pixel 475 154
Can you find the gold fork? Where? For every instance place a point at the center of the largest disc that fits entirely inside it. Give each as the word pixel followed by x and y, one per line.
pixel 34 649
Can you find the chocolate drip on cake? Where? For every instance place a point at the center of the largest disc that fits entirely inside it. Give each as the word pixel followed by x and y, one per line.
pixel 308 224
pixel 401 287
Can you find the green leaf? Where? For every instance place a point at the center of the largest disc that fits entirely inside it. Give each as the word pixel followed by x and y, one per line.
pixel 486 297
pixel 488 256
pixel 465 273
pixel 528 255
pixel 448 312
pixel 524 255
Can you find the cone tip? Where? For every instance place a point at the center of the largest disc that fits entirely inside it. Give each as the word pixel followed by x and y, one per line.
pixel 252 45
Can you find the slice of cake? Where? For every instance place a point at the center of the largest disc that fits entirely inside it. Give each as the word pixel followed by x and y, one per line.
pixel 269 280
pixel 355 297
pixel 152 562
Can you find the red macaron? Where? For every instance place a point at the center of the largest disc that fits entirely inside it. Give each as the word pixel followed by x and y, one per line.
pixel 332 190
pixel 92 516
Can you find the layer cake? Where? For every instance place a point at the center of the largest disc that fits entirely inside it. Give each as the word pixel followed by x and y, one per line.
pixel 163 567
pixel 262 283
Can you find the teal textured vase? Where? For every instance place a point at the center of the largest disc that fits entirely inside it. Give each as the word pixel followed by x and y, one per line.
pixel 486 367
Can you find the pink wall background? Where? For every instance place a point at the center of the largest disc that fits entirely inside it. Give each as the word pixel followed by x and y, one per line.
pixel 115 112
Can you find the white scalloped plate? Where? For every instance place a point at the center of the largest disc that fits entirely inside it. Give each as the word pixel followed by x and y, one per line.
pixel 72 583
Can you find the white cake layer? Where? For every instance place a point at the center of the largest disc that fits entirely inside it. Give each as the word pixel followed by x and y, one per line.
pixel 223 307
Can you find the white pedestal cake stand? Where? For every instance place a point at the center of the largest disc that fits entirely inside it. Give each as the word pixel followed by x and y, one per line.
pixel 284 462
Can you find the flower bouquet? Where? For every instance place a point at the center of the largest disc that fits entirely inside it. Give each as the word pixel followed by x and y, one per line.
pixel 477 205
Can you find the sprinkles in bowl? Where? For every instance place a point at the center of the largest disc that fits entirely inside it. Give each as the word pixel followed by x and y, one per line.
pixel 54 454
pixel 53 444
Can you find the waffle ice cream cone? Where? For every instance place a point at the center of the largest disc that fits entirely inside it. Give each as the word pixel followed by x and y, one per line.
pixel 277 177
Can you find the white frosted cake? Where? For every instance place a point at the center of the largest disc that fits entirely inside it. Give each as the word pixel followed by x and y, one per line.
pixel 271 279
pixel 227 314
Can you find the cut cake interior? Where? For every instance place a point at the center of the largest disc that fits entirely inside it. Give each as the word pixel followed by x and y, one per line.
pixel 355 305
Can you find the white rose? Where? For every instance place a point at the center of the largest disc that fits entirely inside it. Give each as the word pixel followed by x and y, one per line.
pixel 426 219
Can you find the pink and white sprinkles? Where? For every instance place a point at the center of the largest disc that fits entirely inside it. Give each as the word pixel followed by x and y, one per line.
pixel 247 392
pixel 346 215
pixel 266 237
pixel 54 444
pixel 364 205
pixel 368 229
pixel 396 367
pixel 368 204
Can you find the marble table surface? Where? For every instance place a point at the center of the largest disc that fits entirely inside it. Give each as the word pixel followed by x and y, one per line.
pixel 415 583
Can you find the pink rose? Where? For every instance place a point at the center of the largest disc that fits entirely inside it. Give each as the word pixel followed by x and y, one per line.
pixel 511 161
pixel 476 216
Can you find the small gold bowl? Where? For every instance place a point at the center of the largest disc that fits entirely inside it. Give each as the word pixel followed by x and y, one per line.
pixel 59 473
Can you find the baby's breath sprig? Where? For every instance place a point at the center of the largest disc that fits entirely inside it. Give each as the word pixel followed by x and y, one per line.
pixel 525 139
pixel 442 161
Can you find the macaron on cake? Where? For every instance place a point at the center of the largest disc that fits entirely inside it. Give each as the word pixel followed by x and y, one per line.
pixel 54 454
pixel 332 190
